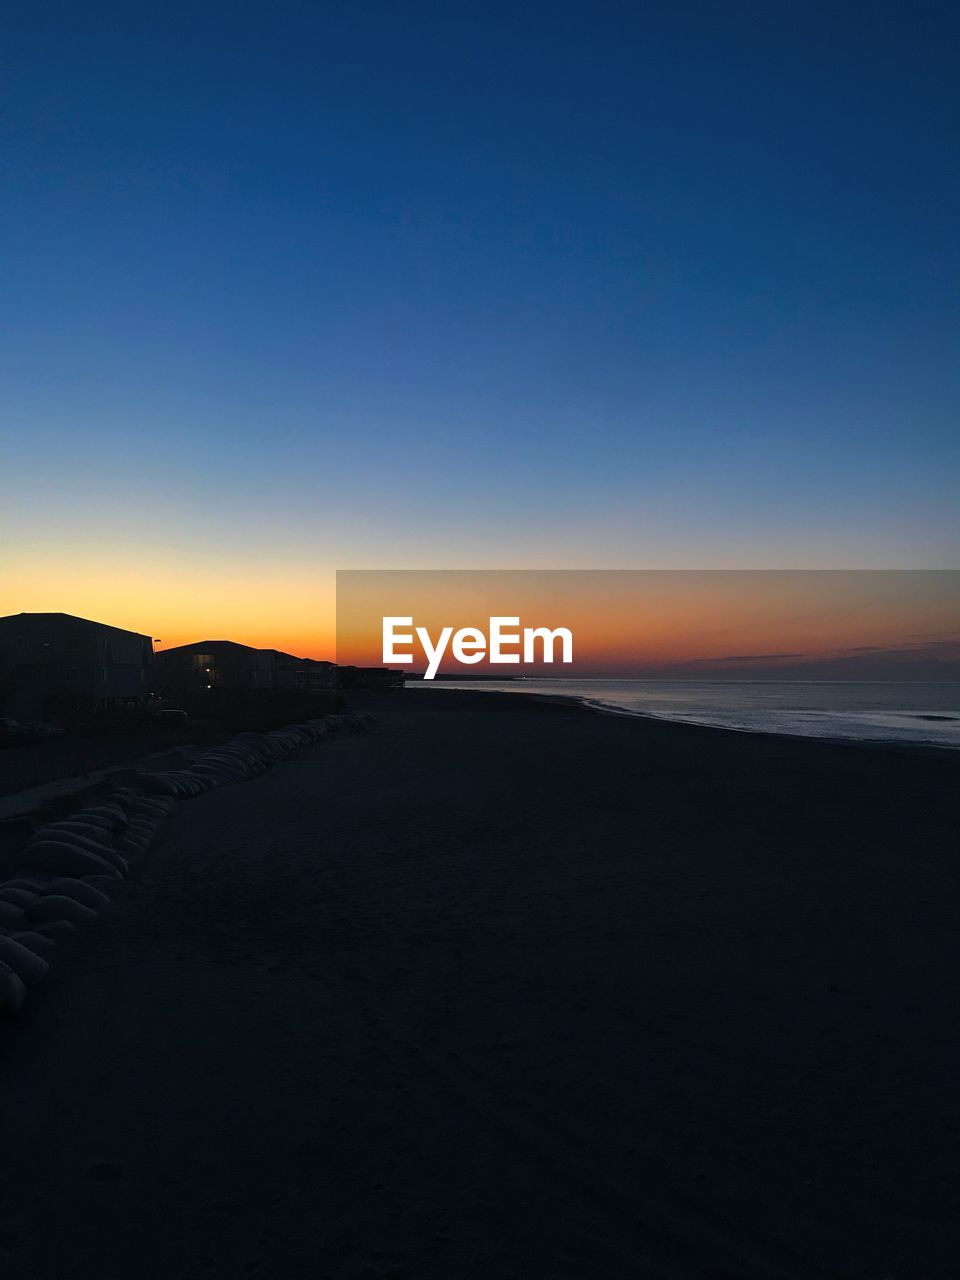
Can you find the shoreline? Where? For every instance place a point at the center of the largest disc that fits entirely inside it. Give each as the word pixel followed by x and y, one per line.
pixel 585 704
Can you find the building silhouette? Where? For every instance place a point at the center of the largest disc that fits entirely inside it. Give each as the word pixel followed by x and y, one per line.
pixel 57 661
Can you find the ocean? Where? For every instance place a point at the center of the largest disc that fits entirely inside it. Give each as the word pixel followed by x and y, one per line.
pixel 916 712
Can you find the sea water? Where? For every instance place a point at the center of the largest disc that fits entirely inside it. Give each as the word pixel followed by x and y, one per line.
pixel 906 712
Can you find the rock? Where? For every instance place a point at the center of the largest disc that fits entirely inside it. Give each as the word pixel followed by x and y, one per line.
pixel 56 906
pixel 30 967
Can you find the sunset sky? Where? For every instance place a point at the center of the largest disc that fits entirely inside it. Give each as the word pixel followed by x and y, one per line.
pixel 429 285
pixel 868 624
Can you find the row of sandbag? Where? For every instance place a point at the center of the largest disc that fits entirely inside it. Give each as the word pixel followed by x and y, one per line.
pixel 246 755
pixel 67 873
pixel 69 867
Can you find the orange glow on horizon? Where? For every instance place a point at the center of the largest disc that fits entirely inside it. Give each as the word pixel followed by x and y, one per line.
pixel 648 619
pixel 183 603
pixel 620 620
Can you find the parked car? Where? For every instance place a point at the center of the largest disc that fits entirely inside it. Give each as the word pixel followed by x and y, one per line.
pixel 169 717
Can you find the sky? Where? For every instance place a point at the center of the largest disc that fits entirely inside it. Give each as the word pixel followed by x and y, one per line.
pixel 291 289
pixel 659 624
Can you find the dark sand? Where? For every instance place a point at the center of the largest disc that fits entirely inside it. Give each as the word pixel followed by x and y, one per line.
pixel 508 989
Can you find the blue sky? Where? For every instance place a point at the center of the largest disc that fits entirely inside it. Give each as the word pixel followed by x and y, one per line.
pixel 438 284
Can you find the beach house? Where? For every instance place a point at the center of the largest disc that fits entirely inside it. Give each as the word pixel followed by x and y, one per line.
pixel 55 662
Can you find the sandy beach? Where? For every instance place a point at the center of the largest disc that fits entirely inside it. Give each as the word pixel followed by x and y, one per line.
pixel 506 989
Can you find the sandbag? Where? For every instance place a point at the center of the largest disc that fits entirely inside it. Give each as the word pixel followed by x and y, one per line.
pixel 67 859
pixel 106 884
pixel 56 906
pixel 108 854
pixel 142 826
pixel 53 929
pixel 98 818
pixel 36 942
pixel 158 783
pixel 29 967
pixel 142 839
pixel 153 808
pixel 81 891
pixel 92 818
pixel 12 991
pixel 110 811
pixel 11 916
pixel 18 897
pixel 97 838
pixel 34 884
